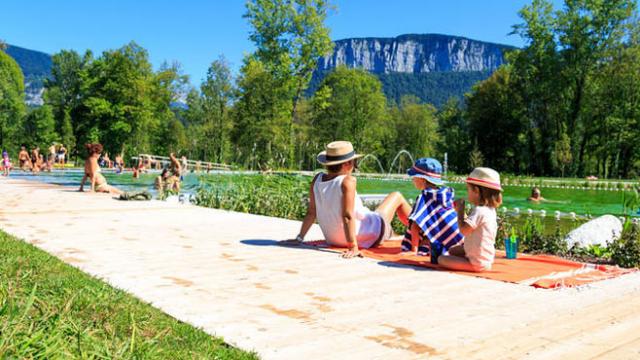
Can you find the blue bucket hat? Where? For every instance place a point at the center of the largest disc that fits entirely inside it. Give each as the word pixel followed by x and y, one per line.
pixel 429 169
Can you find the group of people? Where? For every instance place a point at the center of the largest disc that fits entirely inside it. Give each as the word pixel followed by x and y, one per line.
pixel 435 225
pixel 34 160
pixel 168 180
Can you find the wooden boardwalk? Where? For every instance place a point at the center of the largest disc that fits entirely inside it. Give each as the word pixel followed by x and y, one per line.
pixel 223 272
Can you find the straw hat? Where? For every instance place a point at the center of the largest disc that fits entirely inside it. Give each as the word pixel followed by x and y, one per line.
pixel 337 152
pixel 485 177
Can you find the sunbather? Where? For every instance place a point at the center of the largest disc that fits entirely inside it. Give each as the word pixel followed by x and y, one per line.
pixel 334 202
pixel 92 172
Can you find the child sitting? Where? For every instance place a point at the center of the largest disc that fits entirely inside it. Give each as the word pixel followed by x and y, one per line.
pixel 432 219
pixel 480 228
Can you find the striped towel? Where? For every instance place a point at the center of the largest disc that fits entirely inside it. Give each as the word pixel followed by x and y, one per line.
pixel 435 215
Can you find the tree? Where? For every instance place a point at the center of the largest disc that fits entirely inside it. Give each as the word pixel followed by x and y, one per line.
pixel 289 36
pixel 261 118
pixel 495 121
pixel 64 93
pixel 12 107
pixel 454 136
pixel 217 94
pixel 350 105
pixel 476 159
pixel 416 127
pixel 555 72
pixel 118 102
pixel 38 127
pixel 561 154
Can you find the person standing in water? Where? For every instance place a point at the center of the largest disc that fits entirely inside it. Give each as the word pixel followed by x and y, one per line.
pixel 6 163
pixel 62 154
pixel 23 159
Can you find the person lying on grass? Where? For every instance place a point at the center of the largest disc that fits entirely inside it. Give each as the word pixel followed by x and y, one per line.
pixel 92 172
pixel 334 202
pixel 480 227
pixel 433 220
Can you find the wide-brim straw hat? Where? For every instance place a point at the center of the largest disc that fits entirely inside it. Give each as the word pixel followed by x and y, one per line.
pixel 337 152
pixel 485 177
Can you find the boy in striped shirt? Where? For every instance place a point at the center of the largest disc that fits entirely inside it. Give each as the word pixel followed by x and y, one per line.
pixel 433 220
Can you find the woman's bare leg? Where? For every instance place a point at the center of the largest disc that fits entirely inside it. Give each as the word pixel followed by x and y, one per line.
pixel 394 204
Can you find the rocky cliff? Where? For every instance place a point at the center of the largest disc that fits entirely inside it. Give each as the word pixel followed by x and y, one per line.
pixel 415 54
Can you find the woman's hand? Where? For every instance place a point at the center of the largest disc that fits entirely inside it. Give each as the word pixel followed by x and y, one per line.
pixel 459 205
pixel 352 252
pixel 293 242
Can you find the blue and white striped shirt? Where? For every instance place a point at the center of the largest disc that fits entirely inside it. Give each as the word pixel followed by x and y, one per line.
pixel 435 215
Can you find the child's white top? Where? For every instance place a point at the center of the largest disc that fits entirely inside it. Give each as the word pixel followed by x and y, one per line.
pixel 328 198
pixel 479 245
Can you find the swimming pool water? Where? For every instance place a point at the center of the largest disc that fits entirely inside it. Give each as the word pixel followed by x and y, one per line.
pixel 593 202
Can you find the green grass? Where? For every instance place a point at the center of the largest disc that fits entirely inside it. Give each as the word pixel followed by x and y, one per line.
pixel 50 310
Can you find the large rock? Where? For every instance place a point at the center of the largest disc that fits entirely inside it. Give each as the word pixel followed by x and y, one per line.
pixel 597 231
pixel 415 53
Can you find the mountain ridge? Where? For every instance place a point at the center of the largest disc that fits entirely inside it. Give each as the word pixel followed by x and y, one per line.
pixel 422 65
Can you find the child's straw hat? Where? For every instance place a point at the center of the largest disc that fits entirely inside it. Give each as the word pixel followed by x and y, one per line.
pixel 485 177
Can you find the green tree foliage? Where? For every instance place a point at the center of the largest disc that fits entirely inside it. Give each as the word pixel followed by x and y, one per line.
pixel 217 95
pixel 290 36
pixel 495 121
pixel 416 127
pixel 64 93
pixel 453 128
pixel 12 107
pixel 118 100
pixel 38 128
pixel 561 155
pixel 262 120
pixel 350 105
pixel 567 100
pixel 476 159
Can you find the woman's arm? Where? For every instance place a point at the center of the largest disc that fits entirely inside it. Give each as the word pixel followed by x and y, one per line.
pixel 84 179
pixel 310 217
pixel 348 216
pixel 93 166
pixel 176 163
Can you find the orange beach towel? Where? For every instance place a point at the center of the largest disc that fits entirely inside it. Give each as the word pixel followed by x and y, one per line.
pixel 541 271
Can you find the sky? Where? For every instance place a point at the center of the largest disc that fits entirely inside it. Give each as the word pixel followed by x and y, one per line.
pixel 196 32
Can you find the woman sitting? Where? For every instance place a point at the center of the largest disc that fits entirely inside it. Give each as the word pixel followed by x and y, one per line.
pixel 92 172
pixel 334 202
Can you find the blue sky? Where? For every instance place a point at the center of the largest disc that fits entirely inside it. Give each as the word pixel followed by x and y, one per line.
pixel 195 32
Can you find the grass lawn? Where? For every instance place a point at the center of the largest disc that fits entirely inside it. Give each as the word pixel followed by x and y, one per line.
pixel 50 310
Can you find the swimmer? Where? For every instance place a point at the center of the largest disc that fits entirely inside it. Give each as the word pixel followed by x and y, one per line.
pixel 536 197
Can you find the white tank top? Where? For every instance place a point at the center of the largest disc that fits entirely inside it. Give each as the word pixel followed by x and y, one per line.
pixel 328 198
